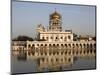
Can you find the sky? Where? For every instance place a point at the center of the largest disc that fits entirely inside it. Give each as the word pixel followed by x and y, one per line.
pixel 27 15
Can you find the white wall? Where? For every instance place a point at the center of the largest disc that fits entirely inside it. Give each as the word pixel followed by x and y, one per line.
pixel 58 35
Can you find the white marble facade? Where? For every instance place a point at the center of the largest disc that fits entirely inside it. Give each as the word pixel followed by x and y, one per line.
pixel 54 32
pixel 53 36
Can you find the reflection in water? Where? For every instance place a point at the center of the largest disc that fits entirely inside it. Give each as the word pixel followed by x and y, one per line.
pixel 53 59
pixel 22 56
pixel 54 64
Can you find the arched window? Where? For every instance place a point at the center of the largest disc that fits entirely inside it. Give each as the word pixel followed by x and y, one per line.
pixel 45 44
pixel 43 59
pixel 33 45
pixel 84 45
pixel 91 46
pixel 65 44
pixel 51 59
pixel 94 45
pixel 56 59
pixel 69 60
pixel 61 37
pixel 45 53
pixel 81 52
pixel 41 44
pixel 57 44
pixel 81 45
pixel 69 45
pixel 51 37
pixel 65 39
pixel 61 59
pixel 29 45
pixel 73 45
pixel 61 53
pixel 69 37
pixel 65 52
pixel 76 52
pixel 43 37
pixel 87 45
pixel 53 44
pixel 84 51
pixel 41 53
pixel 37 44
pixel 28 53
pixel 54 53
pixel 49 44
pixel 76 45
pixel 49 53
pixel 69 52
pixel 90 50
pixel 56 37
pixel 57 53
pixel 32 53
pixel 47 38
pixel 61 44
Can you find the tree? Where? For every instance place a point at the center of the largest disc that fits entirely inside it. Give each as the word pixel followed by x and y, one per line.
pixel 75 37
pixel 23 38
pixel 94 38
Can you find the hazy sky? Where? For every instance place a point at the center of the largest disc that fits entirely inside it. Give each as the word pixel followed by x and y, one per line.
pixel 26 16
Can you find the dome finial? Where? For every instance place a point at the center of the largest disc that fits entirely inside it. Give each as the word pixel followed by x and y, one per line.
pixel 55 10
pixel 55 14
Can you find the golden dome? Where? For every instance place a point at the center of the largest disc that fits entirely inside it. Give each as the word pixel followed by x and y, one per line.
pixel 55 15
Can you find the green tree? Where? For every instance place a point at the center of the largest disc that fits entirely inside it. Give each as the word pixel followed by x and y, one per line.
pixel 23 38
pixel 75 37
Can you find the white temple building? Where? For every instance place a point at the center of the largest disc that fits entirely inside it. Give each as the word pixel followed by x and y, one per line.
pixel 54 36
pixel 54 32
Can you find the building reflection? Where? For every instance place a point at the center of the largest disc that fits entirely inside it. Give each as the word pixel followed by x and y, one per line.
pixel 55 63
pixel 54 58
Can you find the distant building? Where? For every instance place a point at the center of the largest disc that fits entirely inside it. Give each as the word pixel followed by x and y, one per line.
pixel 85 38
pixel 18 45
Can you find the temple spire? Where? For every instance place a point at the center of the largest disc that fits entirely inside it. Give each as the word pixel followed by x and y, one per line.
pixel 55 9
pixel 55 21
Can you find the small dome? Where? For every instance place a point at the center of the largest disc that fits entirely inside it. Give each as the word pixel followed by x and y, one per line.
pixel 39 25
pixel 55 15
